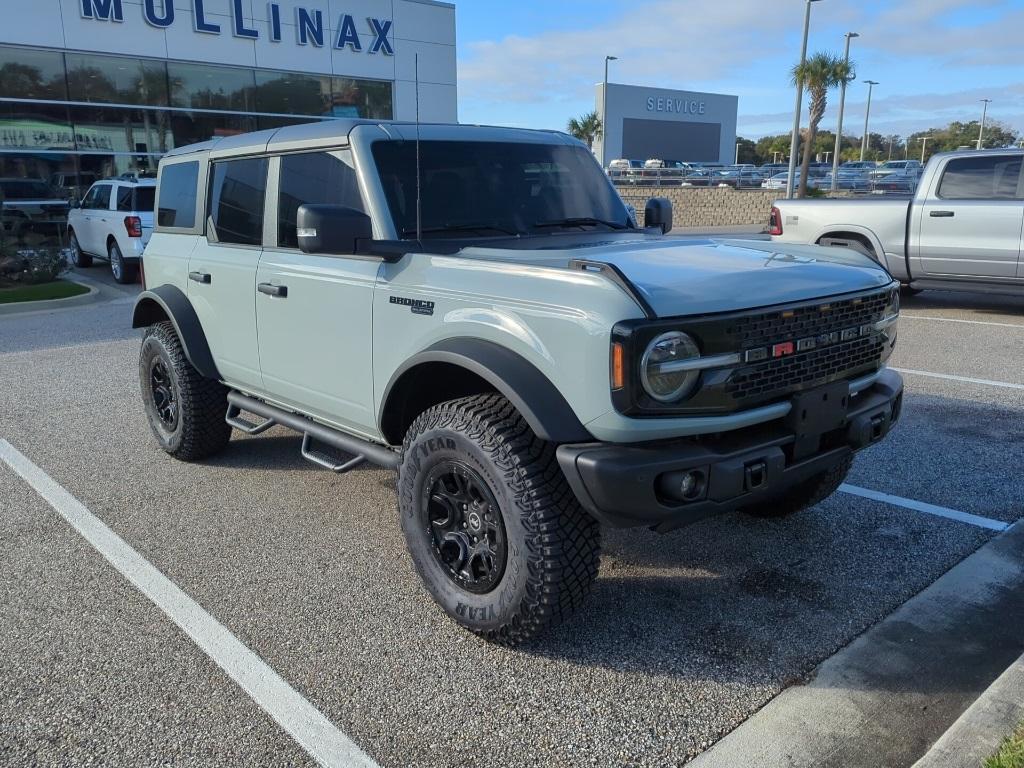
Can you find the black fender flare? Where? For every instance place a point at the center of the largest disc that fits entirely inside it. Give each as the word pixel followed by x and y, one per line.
pixel 170 303
pixel 530 391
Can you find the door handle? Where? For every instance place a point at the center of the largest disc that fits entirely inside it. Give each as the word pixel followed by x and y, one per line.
pixel 280 291
pixel 200 277
pixel 941 214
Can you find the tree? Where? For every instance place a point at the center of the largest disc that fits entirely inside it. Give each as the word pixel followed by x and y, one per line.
pixel 587 128
pixel 818 74
pixel 748 151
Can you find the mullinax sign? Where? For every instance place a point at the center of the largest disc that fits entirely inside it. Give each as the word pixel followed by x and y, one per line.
pixel 309 23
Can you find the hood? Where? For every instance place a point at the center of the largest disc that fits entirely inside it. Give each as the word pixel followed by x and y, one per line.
pixel 692 277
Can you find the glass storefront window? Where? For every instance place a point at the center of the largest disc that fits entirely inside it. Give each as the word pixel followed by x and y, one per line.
pixel 201 86
pixel 113 129
pixel 291 93
pixel 116 80
pixel 35 126
pixel 32 74
pixel 360 98
pixel 193 127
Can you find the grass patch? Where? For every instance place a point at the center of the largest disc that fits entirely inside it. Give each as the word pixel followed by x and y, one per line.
pixel 1011 752
pixel 58 289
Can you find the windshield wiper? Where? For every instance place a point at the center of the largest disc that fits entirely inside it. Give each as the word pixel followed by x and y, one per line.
pixel 577 221
pixel 462 226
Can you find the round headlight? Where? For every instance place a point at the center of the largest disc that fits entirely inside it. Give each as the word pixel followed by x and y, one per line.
pixel 657 373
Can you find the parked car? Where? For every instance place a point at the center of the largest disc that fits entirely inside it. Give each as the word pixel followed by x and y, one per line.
pixel 961 231
pixel 625 171
pixel 114 221
pixel 738 178
pixel 779 180
pixel 858 165
pixel 899 183
pixel 531 364
pixel 905 167
pixel 28 205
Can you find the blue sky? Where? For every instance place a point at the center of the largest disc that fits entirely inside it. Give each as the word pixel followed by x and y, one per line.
pixel 534 63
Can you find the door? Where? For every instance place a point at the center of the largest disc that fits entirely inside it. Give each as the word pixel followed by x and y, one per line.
pixel 971 223
pixel 222 268
pixel 95 214
pixel 314 312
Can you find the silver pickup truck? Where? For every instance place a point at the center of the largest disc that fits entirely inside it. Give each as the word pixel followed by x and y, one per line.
pixel 962 230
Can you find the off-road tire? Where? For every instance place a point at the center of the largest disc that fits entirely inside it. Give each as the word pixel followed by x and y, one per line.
pixel 122 271
pixel 79 258
pixel 199 430
pixel 806 494
pixel 553 545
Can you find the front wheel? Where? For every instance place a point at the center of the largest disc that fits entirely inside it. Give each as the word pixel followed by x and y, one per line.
pixel 493 529
pixel 79 258
pixel 806 494
pixel 185 410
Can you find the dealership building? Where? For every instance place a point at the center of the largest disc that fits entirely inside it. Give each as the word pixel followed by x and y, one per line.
pixel 643 123
pixel 95 88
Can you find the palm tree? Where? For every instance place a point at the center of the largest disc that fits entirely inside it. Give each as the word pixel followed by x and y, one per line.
pixel 587 128
pixel 818 74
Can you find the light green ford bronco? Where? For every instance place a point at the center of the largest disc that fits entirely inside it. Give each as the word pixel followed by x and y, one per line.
pixel 476 309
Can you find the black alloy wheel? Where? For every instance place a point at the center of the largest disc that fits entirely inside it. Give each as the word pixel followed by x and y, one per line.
pixel 165 401
pixel 465 527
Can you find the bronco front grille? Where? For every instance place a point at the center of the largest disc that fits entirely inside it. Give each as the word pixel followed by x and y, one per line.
pixel 820 366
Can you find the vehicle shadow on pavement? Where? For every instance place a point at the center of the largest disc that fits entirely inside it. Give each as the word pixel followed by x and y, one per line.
pixel 980 303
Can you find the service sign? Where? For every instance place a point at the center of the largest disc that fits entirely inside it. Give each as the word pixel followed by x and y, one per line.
pixel 310 26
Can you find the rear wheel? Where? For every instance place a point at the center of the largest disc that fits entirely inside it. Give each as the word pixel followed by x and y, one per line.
pixel 185 410
pixel 122 271
pixel 493 529
pixel 79 257
pixel 806 494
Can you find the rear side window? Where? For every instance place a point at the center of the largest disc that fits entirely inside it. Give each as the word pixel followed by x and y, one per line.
pixel 314 177
pixel 124 199
pixel 237 191
pixel 981 178
pixel 178 187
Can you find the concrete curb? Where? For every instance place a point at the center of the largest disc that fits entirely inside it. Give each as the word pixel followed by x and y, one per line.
pixel 886 698
pixel 45 305
pixel 980 730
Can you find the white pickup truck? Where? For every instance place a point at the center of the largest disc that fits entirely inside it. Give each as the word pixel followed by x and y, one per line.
pixel 962 230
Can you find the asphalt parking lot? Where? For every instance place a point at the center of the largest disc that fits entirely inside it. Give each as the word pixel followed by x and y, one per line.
pixel 684 636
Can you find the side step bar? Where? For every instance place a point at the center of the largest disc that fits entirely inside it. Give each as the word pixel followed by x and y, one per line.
pixel 363 450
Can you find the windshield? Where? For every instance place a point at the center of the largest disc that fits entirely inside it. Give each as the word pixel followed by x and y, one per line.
pixel 26 190
pixel 496 188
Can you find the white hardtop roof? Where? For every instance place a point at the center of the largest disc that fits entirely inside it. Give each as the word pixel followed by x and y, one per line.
pixel 332 132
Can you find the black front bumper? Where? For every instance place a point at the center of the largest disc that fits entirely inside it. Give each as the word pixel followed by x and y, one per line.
pixel 632 485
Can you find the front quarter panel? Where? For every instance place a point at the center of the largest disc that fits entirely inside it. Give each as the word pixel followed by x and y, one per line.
pixel 558 320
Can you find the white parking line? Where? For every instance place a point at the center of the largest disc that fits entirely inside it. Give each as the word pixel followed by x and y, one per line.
pixel 306 724
pixel 930 509
pixel 1019 326
pixel 964 379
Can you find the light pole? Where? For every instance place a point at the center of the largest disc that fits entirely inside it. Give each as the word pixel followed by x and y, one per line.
pixel 867 116
pixel 839 128
pixel 890 146
pixel 604 113
pixel 984 114
pixel 795 139
pixel 924 145
pixel 737 152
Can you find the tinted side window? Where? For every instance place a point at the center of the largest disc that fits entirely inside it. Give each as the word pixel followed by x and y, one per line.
pixel 102 200
pixel 237 191
pixel 315 177
pixel 178 184
pixel 89 201
pixel 981 178
pixel 144 198
pixel 124 198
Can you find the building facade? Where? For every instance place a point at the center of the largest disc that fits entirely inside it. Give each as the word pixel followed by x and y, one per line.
pixel 644 123
pixel 96 88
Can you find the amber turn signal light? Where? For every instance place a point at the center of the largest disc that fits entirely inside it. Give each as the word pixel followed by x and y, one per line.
pixel 618 367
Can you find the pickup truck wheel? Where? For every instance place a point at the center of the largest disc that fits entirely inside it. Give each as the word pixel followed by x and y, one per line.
pixel 185 410
pixel 492 526
pixel 78 257
pixel 803 495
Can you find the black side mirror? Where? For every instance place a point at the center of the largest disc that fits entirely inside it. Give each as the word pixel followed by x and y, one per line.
pixel 658 213
pixel 332 229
